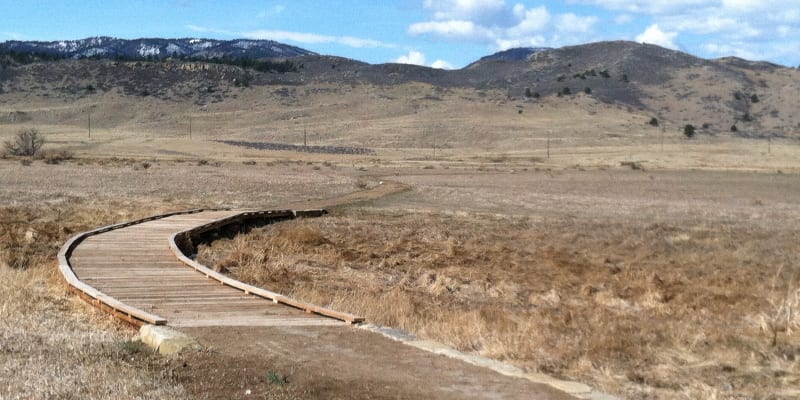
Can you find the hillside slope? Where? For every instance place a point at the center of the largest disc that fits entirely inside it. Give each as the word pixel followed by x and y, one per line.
pixel 606 89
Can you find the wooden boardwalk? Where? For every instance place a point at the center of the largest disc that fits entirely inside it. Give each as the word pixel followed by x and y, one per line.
pixel 138 271
pixel 133 271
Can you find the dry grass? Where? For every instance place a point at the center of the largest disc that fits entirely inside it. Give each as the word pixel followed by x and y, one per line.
pixel 51 344
pixel 644 310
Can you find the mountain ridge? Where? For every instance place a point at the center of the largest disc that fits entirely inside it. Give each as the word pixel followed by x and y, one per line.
pixel 658 83
pixel 106 47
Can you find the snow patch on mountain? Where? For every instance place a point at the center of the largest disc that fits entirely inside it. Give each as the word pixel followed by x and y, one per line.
pixel 175 49
pixel 148 50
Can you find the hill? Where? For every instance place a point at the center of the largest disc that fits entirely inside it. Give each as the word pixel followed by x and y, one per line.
pixel 587 92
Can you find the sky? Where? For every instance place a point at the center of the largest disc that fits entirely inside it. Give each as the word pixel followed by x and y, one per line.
pixel 437 33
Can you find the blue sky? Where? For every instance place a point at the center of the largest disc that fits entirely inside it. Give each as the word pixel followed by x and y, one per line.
pixel 440 33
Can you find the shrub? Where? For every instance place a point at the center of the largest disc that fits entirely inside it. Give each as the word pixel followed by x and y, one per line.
pixel 734 128
pixel 688 130
pixel 566 91
pixel 587 90
pixel 56 156
pixel 754 98
pixel 27 143
pixel 653 121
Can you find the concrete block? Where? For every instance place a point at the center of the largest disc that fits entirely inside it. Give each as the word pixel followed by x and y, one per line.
pixel 165 340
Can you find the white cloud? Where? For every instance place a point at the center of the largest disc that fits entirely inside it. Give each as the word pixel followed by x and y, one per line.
pixel 533 20
pixel 452 29
pixel 441 64
pixel 654 35
pixel 572 23
pixel 623 19
pixel 418 58
pixel 480 11
pixel 746 5
pixel 314 38
pixel 413 57
pixel 204 29
pixel 502 26
pixel 727 49
pixel 274 10
pixel 650 7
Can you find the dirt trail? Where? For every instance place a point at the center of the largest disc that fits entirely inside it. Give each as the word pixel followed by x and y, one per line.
pixel 336 363
pixel 380 189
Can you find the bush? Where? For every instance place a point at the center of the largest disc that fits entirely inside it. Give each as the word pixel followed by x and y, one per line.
pixel 27 143
pixel 688 130
pixel 587 90
pixel 566 91
pixel 734 128
pixel 754 98
pixel 653 121
pixel 56 156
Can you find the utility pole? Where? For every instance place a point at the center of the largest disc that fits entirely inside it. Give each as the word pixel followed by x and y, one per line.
pixel 190 126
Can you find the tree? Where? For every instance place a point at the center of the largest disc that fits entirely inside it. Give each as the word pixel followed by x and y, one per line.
pixel 588 90
pixel 688 130
pixel 26 143
pixel 528 92
pixel 566 91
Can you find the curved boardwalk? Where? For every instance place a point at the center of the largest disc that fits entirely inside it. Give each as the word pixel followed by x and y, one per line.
pixel 137 271
pixel 136 266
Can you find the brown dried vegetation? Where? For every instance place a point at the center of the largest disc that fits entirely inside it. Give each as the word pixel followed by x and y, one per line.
pixel 644 310
pixel 51 344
